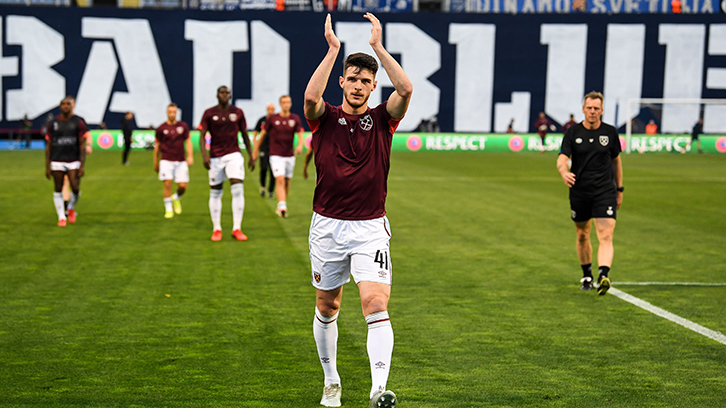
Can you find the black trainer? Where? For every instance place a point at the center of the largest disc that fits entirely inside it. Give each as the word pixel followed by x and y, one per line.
pixel 586 283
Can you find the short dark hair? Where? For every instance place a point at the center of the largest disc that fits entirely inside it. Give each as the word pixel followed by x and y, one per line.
pixel 361 61
pixel 222 87
pixel 172 105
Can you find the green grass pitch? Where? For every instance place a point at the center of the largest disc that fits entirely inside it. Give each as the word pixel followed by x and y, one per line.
pixel 128 309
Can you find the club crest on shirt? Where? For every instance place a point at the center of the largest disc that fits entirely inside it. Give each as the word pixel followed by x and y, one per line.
pixel 366 123
pixel 317 277
pixel 179 129
pixel 233 117
pixel 578 140
pixel 604 140
pixel 291 122
pixel 342 121
pixel 55 125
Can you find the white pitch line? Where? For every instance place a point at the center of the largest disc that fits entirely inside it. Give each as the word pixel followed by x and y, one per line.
pixel 668 284
pixel 719 337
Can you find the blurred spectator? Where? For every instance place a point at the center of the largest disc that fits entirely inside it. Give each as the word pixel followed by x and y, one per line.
pixel 651 128
pixel 676 6
pixel 102 125
pixel 127 127
pixel 510 128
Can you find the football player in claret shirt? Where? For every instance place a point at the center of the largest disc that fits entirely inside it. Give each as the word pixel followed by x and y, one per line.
pixel 349 231
pixel 65 154
pixel 280 129
pixel 596 186
pixel 225 161
pixel 172 139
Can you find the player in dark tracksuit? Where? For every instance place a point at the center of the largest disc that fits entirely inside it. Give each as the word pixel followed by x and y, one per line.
pixel 596 186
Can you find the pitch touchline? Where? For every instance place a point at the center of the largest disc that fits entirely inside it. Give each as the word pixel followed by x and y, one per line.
pixel 668 284
pixel 668 315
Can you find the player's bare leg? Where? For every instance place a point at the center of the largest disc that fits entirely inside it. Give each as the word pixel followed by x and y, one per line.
pixel 215 210
pixel 58 197
pixel 238 208
pixel 181 188
pixel 584 253
pixel 74 180
pixel 325 331
pixel 168 209
pixel 604 228
pixel 281 191
pixel 374 302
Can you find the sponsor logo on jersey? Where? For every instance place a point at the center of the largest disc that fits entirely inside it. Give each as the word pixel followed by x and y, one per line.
pixel 342 121
pixel 233 117
pixel 604 140
pixel 179 129
pixel 578 140
pixel 366 123
pixel 317 277
pixel 65 141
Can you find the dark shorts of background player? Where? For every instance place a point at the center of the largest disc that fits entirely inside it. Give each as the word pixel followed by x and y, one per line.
pixel 585 207
pixel 694 137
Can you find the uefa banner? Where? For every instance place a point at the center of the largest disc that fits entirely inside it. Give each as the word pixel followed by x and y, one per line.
pixel 437 142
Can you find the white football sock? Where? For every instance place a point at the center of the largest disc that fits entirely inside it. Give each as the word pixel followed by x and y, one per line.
pixel 74 199
pixel 325 331
pixel 380 349
pixel 59 208
pixel 238 205
pixel 215 208
pixel 167 204
pixel 282 205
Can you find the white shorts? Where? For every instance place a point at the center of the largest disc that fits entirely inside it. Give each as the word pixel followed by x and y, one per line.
pixel 65 166
pixel 282 166
pixel 229 166
pixel 339 248
pixel 174 170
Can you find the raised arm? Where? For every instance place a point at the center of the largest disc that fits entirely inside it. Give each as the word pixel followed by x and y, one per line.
pixel 401 97
pixel 314 106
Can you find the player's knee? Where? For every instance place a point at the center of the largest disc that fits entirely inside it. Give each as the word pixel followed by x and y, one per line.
pixel 375 304
pixel 583 237
pixel 328 308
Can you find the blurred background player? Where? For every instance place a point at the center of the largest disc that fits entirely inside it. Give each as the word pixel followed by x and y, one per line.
pixel 225 161
pixel 280 129
pixel 89 149
pixel 127 127
pixel 568 124
pixel 264 156
pixel 697 131
pixel 172 139
pixel 349 231
pixel 65 154
pixel 542 125
pixel 596 186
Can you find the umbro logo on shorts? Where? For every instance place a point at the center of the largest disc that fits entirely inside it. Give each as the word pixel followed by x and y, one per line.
pixel 382 274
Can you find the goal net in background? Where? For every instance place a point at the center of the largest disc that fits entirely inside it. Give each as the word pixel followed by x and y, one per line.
pixel 674 116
